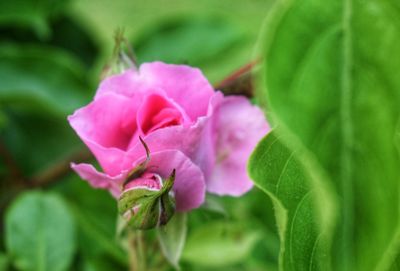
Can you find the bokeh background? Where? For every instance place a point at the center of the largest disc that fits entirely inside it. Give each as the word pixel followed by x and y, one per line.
pixel 51 56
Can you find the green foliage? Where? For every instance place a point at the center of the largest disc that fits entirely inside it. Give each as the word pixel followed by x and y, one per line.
pixel 234 19
pixel 298 209
pixel 30 14
pixel 219 244
pixel 95 213
pixel 328 176
pixel 191 41
pixel 172 238
pixel 40 87
pixel 3 262
pixel 146 209
pixel 332 86
pixel 52 80
pixel 34 149
pixel 49 66
pixel 40 233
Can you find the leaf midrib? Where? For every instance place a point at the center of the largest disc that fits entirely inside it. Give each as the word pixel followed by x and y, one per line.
pixel 347 137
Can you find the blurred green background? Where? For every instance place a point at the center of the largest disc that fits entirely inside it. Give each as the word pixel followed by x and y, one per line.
pixel 51 55
pixel 330 87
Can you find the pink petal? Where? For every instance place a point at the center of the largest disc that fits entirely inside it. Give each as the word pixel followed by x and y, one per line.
pixel 195 141
pixel 129 83
pixel 100 180
pixel 238 126
pixel 187 86
pixel 106 126
pixel 147 180
pixel 189 140
pixel 157 112
pixel 189 186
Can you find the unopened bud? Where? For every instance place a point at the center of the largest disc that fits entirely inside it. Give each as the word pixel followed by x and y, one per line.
pixel 123 57
pixel 148 202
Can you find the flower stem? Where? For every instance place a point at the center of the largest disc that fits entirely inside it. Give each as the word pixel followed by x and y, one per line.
pixel 137 253
pixel 240 81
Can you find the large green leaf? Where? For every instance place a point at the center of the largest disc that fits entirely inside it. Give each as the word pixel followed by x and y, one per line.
pixel 95 212
pixel 40 233
pixel 331 74
pixel 304 218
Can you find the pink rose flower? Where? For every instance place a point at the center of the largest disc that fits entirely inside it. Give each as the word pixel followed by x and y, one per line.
pixel 206 137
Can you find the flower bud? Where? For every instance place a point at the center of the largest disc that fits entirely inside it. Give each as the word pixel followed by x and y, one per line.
pixel 123 57
pixel 148 202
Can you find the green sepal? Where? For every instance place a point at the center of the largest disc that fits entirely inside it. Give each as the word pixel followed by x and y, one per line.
pixel 147 216
pixel 141 168
pixel 134 197
pixel 146 208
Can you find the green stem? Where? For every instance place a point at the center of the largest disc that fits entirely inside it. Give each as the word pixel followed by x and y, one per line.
pixel 133 253
pixel 137 251
pixel 141 250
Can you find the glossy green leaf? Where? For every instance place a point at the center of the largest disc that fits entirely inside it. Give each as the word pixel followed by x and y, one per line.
pixel 298 209
pixel 95 213
pixel 219 244
pixel 40 233
pixel 172 238
pixel 331 73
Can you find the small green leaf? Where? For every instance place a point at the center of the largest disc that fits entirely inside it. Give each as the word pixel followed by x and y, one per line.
pixel 219 244
pixel 172 238
pixel 40 233
pixel 95 214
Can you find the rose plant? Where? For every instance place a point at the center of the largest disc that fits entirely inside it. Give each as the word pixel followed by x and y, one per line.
pixel 165 123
